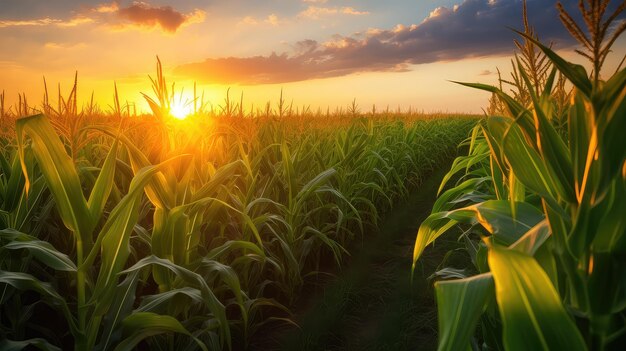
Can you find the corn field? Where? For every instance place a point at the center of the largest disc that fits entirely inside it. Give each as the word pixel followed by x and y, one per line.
pixel 120 230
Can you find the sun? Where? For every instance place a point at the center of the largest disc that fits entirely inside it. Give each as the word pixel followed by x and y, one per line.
pixel 180 110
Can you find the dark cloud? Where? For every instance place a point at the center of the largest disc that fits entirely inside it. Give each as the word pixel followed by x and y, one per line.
pixel 475 28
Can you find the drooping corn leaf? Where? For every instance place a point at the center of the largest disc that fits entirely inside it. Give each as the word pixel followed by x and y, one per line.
pixel 194 280
pixel 532 312
pixel 18 345
pixel 141 325
pixel 460 304
pixel 45 253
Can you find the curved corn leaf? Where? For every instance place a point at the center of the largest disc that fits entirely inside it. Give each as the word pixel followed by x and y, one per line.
pixel 232 245
pixel 24 281
pixel 45 253
pixel 519 113
pixel 460 304
pixel 575 73
pixel 59 171
pixel 38 343
pixel 496 216
pixel 158 303
pixel 193 279
pixel 532 313
pixel 530 242
pixel 145 324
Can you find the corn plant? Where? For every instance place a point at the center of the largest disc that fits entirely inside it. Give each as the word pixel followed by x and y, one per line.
pixel 100 250
pixel 548 212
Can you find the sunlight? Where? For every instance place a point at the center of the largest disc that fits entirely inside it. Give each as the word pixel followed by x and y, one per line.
pixel 180 110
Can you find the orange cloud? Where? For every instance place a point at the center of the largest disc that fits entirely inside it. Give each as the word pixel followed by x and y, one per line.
pixel 46 22
pixel 271 19
pixel 315 12
pixel 144 15
pixel 138 14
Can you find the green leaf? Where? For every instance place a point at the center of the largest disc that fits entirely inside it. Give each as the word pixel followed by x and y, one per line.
pixel 519 113
pixel 220 177
pixel 141 325
pixel 24 281
pixel 433 227
pixel 193 279
pixel 525 161
pixel 553 150
pixel 39 343
pixel 530 242
pixel 232 245
pixel 494 215
pixel 113 240
pixel 460 304
pixel 104 184
pixel 120 308
pixel 532 313
pixel 575 73
pixel 15 184
pixel 45 253
pixel 155 303
pixel 59 171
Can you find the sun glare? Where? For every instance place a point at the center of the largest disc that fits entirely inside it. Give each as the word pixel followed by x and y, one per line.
pixel 180 110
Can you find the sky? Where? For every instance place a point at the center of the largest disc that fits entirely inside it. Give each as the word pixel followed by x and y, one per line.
pixel 397 53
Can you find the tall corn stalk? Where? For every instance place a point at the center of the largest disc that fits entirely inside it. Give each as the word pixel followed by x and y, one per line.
pixel 548 210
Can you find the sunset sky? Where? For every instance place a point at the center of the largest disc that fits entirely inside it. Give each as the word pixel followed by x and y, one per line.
pixel 320 52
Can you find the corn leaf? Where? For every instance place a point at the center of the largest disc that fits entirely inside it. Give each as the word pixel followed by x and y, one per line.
pixel 194 280
pixel 575 73
pixel 141 325
pixel 531 309
pixel 38 343
pixel 460 304
pixel 59 171
pixel 104 183
pixel 45 253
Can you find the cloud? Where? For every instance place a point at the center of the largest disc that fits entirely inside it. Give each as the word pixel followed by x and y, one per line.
pixel 486 73
pixel 64 46
pixel 315 12
pixel 475 28
pixel 144 15
pixel 137 15
pixel 271 19
pixel 76 21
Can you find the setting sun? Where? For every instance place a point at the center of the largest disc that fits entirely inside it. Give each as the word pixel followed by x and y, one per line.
pixel 180 110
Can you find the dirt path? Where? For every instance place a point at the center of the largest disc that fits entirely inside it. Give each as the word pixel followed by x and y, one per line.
pixel 371 304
